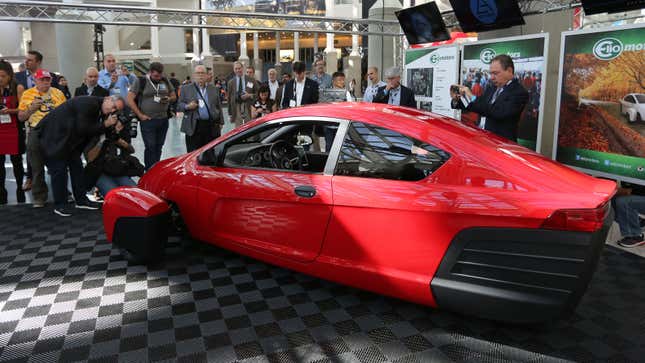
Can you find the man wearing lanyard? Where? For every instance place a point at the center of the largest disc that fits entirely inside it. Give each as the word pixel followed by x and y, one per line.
pixel 112 79
pixel 199 101
pixel 501 106
pixel 241 91
pixel 300 90
pixel 150 102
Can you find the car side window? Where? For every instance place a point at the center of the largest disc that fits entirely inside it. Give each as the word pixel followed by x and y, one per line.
pixel 629 99
pixel 284 146
pixel 375 152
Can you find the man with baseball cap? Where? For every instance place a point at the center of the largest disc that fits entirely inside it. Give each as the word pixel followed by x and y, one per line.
pixel 35 104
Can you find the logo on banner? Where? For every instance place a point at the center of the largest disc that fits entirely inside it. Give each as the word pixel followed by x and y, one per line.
pixel 434 58
pixel 487 55
pixel 607 48
pixel 484 10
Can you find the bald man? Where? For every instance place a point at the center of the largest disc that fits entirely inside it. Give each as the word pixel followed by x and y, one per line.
pixel 90 86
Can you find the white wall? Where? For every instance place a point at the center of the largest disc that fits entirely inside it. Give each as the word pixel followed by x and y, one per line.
pixel 75 51
pixel 43 39
pixel 10 39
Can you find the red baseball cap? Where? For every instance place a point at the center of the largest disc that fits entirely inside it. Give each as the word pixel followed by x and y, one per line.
pixel 42 73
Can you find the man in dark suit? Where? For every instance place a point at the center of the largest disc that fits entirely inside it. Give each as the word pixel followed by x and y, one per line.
pixel 394 93
pixel 301 90
pixel 90 86
pixel 33 62
pixel 199 101
pixel 501 105
pixel 241 90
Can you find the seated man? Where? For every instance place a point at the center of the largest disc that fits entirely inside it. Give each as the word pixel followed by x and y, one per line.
pixel 628 206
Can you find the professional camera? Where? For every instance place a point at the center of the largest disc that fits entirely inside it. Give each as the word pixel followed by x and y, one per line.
pixel 129 120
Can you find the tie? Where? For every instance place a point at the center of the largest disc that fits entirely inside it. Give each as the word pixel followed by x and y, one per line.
pixel 497 92
pixel 239 86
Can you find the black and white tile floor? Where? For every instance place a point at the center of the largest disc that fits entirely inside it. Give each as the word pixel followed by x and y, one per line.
pixel 68 295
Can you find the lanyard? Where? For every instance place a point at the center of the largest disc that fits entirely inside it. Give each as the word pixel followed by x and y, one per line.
pixel 156 88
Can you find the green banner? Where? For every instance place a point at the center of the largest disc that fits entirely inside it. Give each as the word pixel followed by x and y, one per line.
pixel 617 164
pixel 607 44
pixel 414 54
pixel 526 48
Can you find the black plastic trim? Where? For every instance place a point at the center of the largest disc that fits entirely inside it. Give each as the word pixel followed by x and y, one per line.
pixel 144 237
pixel 517 275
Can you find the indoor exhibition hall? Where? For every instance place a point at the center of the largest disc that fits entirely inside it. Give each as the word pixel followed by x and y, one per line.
pixel 295 181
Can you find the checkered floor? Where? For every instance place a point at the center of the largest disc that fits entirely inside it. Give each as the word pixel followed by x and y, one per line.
pixel 67 295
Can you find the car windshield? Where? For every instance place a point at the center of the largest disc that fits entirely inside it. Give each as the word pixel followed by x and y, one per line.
pixel 640 98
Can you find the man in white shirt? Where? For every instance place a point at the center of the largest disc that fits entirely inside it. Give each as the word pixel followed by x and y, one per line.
pixel 373 84
pixel 273 83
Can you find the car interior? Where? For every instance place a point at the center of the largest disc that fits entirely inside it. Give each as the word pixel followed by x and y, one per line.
pixel 300 146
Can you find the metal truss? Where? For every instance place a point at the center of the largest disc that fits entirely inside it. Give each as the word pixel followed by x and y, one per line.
pixel 78 13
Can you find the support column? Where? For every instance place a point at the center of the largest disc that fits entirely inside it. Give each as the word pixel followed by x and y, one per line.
pixel 277 49
pixel 196 40
pixel 244 58
pixel 257 62
pixel 353 69
pixel 154 37
pixel 296 46
pixel 331 56
pixel 381 47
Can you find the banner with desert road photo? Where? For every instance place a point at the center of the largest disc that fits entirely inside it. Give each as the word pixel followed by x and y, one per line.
pixel 600 125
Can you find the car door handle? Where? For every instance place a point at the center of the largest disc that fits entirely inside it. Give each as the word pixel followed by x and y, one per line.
pixel 305 191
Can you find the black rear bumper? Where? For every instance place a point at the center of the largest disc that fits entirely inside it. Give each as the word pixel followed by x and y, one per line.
pixel 517 275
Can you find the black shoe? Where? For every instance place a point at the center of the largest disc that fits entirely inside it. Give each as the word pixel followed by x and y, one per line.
pixel 88 204
pixel 20 196
pixel 632 241
pixel 63 211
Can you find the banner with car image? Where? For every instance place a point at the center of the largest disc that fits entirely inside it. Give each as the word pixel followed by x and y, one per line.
pixel 429 72
pixel 529 54
pixel 600 126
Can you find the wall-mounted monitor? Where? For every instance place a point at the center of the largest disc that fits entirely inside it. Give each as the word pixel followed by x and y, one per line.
pixel 483 15
pixel 611 6
pixel 423 24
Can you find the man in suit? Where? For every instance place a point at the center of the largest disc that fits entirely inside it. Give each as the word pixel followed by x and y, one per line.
pixel 394 93
pixel 501 105
pixel 199 101
pixel 33 62
pixel 90 86
pixel 241 90
pixel 301 90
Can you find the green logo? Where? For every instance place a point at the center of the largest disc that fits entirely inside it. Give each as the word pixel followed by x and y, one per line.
pixel 607 48
pixel 487 55
pixel 434 58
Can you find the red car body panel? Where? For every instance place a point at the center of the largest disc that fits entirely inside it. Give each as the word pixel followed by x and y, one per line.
pixel 387 236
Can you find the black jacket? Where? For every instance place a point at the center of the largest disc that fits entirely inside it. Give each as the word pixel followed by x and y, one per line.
pixel 502 116
pixel 406 99
pixel 67 129
pixel 98 91
pixel 309 94
pixel 21 78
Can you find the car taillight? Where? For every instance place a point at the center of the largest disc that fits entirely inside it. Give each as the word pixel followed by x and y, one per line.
pixel 582 220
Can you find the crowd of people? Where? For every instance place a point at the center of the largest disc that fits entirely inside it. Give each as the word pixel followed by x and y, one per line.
pixel 57 128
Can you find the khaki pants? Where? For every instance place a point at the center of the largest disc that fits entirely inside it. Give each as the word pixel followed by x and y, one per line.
pixel 37 160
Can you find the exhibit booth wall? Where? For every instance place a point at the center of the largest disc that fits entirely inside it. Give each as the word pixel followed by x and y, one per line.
pixel 554 24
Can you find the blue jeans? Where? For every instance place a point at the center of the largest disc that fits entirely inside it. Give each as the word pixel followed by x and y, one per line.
pixel 627 209
pixel 58 171
pixel 105 183
pixel 153 133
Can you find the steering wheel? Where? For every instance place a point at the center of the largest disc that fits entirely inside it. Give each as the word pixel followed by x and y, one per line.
pixel 284 156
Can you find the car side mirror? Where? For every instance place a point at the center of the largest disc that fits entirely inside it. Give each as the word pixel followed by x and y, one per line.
pixel 210 157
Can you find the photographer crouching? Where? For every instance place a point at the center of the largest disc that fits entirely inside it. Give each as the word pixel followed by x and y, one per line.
pixel 110 163
pixel 64 133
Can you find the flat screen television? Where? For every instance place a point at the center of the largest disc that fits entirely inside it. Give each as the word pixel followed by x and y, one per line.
pixel 611 6
pixel 423 24
pixel 483 15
